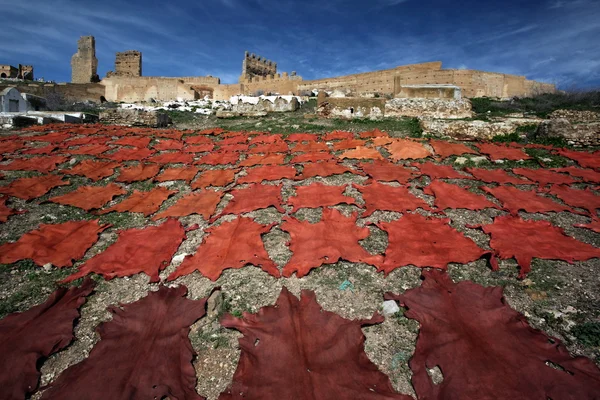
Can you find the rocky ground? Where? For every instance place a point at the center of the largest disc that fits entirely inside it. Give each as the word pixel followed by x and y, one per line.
pixel 560 298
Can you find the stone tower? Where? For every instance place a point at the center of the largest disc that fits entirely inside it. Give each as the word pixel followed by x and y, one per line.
pixel 84 64
pixel 128 63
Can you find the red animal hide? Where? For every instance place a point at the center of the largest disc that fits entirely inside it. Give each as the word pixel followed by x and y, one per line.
pixel 586 175
pixel 349 144
pixel 338 135
pixel 142 202
pixel 233 138
pixel 453 196
pixel 168 144
pixel 402 149
pixel 255 197
pixel 232 244
pixel 332 239
pixel 594 226
pixel 319 195
pixel 135 141
pixel 543 177
pixel 90 197
pixel 199 148
pixel 385 171
pixel 86 140
pixel 203 203
pixel 44 150
pixel 497 176
pixel 268 159
pixel 269 148
pixel 94 170
pixel 583 158
pixel 139 172
pixel 219 158
pixel 321 350
pixel 311 157
pixel 54 137
pixel 30 188
pixel 92 150
pixel 172 158
pixel 515 200
pixel 198 140
pixel 523 240
pixel 234 147
pixel 268 173
pixel 263 138
pixel 6 212
pixel 144 353
pixel 7 147
pixel 324 169
pixel 57 244
pixel 177 174
pixel 446 149
pixel 148 250
pixel 310 147
pixel 499 152
pixel 586 199
pixel 39 164
pixel 439 171
pixel 375 133
pixel 362 153
pixel 27 337
pixel 130 154
pixel 478 341
pixel 378 196
pixel 426 242
pixel 301 137
pixel 214 177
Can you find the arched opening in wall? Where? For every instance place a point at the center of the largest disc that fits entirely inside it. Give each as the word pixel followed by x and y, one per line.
pixel 351 110
pixel 3 75
pixel 202 92
pixel 102 99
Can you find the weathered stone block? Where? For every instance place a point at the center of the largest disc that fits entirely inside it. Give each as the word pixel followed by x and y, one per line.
pixel 576 134
pixel 119 116
pixel 432 108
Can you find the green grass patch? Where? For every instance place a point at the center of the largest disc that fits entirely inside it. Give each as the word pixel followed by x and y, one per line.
pixel 588 334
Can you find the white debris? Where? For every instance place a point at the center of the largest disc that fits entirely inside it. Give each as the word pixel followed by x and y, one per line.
pixel 179 258
pixel 389 308
pixel 460 160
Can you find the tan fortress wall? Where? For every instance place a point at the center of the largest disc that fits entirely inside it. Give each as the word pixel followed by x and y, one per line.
pixel 140 89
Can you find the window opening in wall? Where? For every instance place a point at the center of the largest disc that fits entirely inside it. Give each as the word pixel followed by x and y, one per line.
pixel 3 75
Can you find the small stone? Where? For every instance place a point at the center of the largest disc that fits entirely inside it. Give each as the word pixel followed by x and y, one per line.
pixel 460 160
pixel 389 308
pixel 178 259
pixel 499 161
pixel 72 161
pixel 214 304
pixel 570 310
pixel 296 126
pixel 478 159
pixel 47 267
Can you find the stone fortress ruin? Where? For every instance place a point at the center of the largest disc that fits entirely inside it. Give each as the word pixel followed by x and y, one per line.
pixel 22 72
pixel 261 76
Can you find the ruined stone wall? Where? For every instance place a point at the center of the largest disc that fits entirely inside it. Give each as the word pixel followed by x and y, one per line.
pixel 257 66
pixel 8 71
pixel 84 64
pixel 128 63
pixel 70 91
pixel 141 89
pixel 25 72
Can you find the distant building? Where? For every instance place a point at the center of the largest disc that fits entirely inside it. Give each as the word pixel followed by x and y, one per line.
pixel 11 100
pixel 22 72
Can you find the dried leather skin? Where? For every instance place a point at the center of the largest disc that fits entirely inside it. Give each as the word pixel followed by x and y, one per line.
pixel 30 188
pixel 349 144
pixel 402 149
pixel 214 177
pixel 139 172
pixel 296 350
pixel 130 154
pixel 5 211
pixel 544 177
pixel 37 333
pixel 177 174
pixel 324 169
pixel 426 242
pixel 332 239
pixel 380 197
pixel 90 197
pixel 142 202
pixel 385 171
pixel 523 240
pixel 515 200
pixel 338 135
pixel 91 150
pixel 362 153
pixel 268 173
pixel 439 171
pixel 268 159
pixel 172 158
pixel 593 226
pixel 311 157
pixel 58 244
pixel 144 353
pixel 309 147
pixel 255 197
pixel 583 158
pixel 204 203
pixel 586 199
pixel 446 149
pixel 135 141
pixel 40 164
pixel 455 197
pixel 94 170
pixel 136 250
pixel 586 175
pixel 219 158
pixel 319 195
pixel 499 152
pixel 485 349
pixel 230 245
pixel 497 176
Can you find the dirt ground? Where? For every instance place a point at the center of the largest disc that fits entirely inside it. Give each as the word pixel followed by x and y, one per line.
pixel 555 297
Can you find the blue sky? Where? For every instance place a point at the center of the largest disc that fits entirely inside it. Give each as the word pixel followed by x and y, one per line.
pixel 555 41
